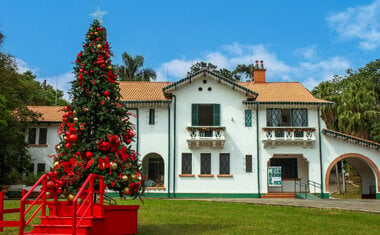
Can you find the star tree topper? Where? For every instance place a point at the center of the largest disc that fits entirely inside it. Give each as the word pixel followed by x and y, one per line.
pixel 98 15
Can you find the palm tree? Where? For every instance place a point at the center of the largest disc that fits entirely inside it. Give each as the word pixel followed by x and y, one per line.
pixel 132 69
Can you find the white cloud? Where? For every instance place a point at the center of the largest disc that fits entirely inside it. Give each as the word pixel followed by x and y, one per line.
pixel 309 73
pixel 308 53
pixel 62 81
pixel 22 67
pixel 176 68
pixel 361 22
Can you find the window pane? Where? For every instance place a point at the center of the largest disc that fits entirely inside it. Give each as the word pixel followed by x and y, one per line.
pixel 32 136
pixel 43 136
pixel 288 167
pixel 40 168
pixel 274 117
pixel 205 163
pixel 151 116
pixel 186 163
pixel 299 117
pixel 224 163
pixel 248 117
pixel 248 163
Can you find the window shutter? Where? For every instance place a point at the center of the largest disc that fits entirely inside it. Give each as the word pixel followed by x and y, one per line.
pixel 216 115
pixel 194 114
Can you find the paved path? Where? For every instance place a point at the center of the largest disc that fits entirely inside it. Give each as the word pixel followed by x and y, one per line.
pixel 364 205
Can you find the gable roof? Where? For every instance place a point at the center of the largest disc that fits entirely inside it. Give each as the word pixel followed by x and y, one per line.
pixel 282 92
pixel 48 113
pixel 221 79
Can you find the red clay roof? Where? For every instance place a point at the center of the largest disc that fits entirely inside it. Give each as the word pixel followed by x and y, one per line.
pixel 281 92
pixel 142 91
pixel 152 91
pixel 48 113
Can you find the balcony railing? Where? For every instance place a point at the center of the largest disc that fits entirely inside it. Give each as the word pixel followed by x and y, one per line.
pixel 212 136
pixel 280 136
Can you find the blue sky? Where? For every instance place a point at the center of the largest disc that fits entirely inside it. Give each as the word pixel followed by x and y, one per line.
pixel 306 41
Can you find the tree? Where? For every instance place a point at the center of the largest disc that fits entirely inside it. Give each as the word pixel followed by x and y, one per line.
pixel 241 71
pixel 356 109
pixel 95 133
pixel 13 117
pixel 132 70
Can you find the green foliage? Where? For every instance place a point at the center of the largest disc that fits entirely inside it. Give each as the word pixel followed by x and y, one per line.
pixel 95 134
pixel 241 71
pixel 18 91
pixel 356 98
pixel 132 70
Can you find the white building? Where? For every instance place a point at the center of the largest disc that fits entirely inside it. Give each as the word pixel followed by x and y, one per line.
pixel 207 136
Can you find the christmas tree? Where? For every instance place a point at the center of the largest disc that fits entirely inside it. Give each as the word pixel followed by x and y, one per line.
pixel 95 133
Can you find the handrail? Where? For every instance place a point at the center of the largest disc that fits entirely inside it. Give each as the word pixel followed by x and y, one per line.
pixel 301 185
pixel 314 184
pixel 88 200
pixel 23 212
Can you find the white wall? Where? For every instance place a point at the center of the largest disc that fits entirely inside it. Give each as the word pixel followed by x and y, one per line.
pixel 240 140
pixel 41 153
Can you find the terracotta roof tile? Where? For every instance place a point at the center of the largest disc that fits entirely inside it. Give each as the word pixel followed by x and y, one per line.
pixel 142 91
pixel 281 92
pixel 48 113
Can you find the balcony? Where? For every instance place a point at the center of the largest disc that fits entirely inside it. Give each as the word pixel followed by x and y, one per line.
pixel 284 136
pixel 211 136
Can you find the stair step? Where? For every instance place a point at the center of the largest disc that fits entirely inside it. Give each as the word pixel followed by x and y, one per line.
pixel 58 220
pixel 59 229
pixel 279 195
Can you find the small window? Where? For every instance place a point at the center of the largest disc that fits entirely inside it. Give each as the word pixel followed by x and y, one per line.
pixel 200 89
pixel 32 136
pixel 40 168
pixel 43 136
pixel 248 163
pixel 224 164
pixel 209 89
pixel 205 163
pixel 248 118
pixel 186 163
pixel 152 114
pixel 204 81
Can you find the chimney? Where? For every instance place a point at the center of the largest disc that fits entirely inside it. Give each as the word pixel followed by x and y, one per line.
pixel 259 72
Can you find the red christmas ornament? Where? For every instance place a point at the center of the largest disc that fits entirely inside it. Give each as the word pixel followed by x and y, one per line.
pixel 73 138
pixel 50 185
pixel 102 102
pixel 106 93
pixel 88 155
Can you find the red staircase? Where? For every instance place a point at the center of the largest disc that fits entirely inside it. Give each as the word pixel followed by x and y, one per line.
pixel 279 195
pixel 82 216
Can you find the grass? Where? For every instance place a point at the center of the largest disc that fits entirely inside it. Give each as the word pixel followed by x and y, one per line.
pixel 158 216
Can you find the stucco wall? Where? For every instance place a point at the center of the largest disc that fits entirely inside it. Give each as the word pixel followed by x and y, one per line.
pixel 41 153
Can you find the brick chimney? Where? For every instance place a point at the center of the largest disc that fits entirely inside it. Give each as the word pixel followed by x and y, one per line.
pixel 259 72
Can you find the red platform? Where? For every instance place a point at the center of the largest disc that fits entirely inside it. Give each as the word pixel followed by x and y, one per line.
pixel 116 220
pixel 83 215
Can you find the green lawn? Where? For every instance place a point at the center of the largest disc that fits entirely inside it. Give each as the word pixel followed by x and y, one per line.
pixel 191 217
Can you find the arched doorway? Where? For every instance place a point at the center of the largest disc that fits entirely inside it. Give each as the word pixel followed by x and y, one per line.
pixel 294 167
pixel 153 169
pixel 368 171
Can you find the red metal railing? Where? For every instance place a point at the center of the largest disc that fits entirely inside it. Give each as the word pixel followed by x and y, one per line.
pixel 87 204
pixel 37 201
pixel 7 223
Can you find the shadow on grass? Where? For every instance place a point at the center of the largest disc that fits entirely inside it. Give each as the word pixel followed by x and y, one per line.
pixel 181 228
